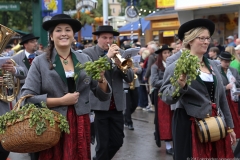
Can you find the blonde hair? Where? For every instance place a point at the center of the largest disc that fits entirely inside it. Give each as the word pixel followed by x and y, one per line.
pixel 145 54
pixel 191 35
pixel 231 50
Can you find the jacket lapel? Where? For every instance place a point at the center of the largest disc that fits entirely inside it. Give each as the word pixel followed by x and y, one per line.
pixel 58 66
pixel 26 62
pixel 211 71
pixel 76 70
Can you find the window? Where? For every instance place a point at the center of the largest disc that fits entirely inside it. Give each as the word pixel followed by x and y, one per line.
pixel 113 10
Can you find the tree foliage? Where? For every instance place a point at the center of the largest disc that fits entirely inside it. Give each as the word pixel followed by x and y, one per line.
pixel 18 19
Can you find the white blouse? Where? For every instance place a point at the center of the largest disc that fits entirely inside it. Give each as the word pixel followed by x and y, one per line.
pixel 69 74
pixel 207 77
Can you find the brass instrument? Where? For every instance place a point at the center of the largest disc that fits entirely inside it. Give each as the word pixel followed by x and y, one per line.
pixel 10 85
pixel 132 84
pixel 125 63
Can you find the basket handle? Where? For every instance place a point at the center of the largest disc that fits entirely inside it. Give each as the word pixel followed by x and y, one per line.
pixel 18 104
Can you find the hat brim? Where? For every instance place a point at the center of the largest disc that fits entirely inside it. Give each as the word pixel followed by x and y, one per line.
pixel 99 32
pixel 163 49
pixel 30 38
pixel 194 24
pixel 227 59
pixel 75 24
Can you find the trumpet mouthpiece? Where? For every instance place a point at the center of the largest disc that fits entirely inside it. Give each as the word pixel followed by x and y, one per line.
pixel 108 45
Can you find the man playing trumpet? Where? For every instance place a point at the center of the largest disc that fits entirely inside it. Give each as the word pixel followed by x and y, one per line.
pixel 108 115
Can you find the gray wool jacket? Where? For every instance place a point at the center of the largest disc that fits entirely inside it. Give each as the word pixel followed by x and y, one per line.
pixel 195 98
pixel 44 83
pixel 114 77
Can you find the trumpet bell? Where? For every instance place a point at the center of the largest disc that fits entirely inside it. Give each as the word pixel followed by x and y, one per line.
pixel 9 85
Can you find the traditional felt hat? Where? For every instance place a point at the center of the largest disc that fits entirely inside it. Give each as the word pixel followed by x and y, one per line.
pixel 106 29
pixel 62 18
pixel 162 48
pixel 225 55
pixel 194 24
pixel 8 46
pixel 27 37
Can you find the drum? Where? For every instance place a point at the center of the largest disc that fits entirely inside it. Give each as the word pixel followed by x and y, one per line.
pixel 211 129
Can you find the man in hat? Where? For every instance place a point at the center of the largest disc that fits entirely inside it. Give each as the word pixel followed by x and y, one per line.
pixel 25 58
pixel 108 115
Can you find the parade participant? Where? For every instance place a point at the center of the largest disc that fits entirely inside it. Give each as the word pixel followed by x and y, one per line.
pixel 163 113
pixel 204 97
pixel 227 72
pixel 131 91
pixel 26 57
pixel 108 115
pixel 50 80
pixel 18 72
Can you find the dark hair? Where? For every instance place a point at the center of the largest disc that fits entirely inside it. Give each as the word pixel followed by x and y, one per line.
pixel 50 48
pixel 214 49
pixel 159 62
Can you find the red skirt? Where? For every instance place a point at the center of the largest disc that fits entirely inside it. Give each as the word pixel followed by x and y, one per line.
pixel 75 145
pixel 164 120
pixel 234 111
pixel 219 149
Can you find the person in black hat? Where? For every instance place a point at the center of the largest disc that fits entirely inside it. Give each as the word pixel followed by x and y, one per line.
pixel 231 80
pixel 204 97
pixel 109 115
pixel 25 57
pixel 51 80
pixel 163 113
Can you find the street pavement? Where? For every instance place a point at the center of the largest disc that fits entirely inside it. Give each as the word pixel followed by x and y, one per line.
pixel 138 144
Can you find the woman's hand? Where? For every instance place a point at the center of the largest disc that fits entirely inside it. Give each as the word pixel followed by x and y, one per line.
pixel 182 80
pixel 233 138
pixel 70 99
pixel 229 86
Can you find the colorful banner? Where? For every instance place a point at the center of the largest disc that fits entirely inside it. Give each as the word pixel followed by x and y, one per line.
pixel 54 5
pixel 165 3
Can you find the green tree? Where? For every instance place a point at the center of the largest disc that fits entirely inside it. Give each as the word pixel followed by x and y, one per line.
pixel 18 19
pixel 69 5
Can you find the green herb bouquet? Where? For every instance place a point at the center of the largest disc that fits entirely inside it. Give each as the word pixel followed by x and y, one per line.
pixel 187 64
pixel 29 128
pixel 93 69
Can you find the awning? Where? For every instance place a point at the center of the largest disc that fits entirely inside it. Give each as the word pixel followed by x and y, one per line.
pixel 86 32
pixel 145 25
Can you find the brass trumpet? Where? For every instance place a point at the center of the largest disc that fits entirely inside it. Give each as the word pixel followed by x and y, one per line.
pixel 125 63
pixel 10 85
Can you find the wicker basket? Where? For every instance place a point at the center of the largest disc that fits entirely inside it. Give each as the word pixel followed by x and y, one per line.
pixel 23 139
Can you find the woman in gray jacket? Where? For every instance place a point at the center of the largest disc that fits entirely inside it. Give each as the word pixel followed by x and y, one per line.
pixel 230 78
pixel 163 113
pixel 51 80
pixel 204 97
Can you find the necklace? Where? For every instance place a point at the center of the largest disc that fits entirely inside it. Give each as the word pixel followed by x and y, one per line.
pixel 65 61
pixel 202 64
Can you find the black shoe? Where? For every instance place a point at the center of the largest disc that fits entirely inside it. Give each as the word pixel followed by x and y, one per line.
pixel 130 127
pixel 94 157
pixel 170 151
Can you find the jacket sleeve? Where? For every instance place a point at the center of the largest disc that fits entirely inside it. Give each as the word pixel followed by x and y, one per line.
pixel 224 106
pixel 20 73
pixel 33 85
pixel 237 77
pixel 154 78
pixel 167 89
pixel 150 62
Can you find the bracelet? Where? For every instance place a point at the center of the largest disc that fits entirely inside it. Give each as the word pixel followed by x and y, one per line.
pixel 102 81
pixel 229 130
